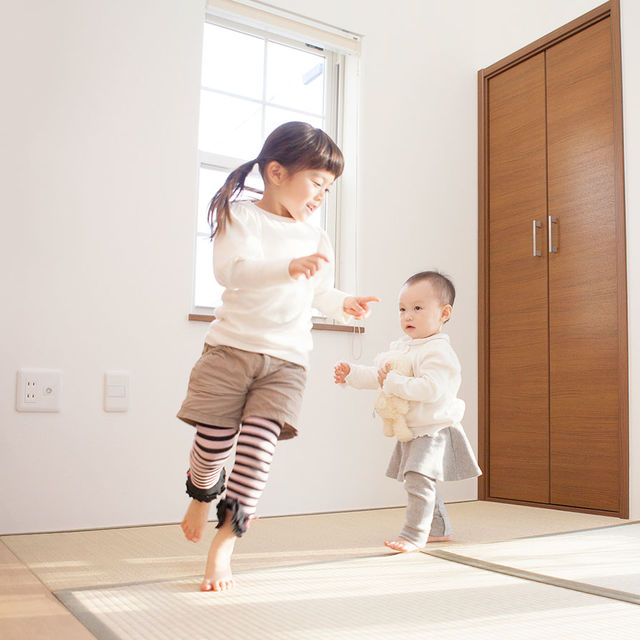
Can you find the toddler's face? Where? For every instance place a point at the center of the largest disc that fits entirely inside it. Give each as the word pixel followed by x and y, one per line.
pixel 421 312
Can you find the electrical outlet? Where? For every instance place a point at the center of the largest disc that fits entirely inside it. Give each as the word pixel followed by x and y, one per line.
pixel 39 390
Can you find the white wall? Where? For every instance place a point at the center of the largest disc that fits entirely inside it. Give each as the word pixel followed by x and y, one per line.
pixel 99 161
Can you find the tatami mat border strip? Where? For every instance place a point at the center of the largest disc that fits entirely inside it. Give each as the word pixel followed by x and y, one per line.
pixel 98 628
pixel 614 594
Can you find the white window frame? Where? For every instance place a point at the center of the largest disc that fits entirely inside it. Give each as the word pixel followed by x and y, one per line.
pixel 341 75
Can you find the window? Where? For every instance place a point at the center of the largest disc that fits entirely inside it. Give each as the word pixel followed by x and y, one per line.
pixel 271 81
pixel 253 80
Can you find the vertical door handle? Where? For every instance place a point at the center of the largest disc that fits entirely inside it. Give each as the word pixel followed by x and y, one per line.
pixel 536 252
pixel 553 248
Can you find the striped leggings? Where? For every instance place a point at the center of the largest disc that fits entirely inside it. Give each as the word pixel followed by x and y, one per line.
pixel 212 446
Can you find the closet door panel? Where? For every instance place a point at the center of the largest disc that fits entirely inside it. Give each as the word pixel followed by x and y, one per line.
pixel 584 445
pixel 518 339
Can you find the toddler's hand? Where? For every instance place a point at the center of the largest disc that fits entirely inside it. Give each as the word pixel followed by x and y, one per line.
pixel 358 306
pixel 306 266
pixel 382 374
pixel 340 372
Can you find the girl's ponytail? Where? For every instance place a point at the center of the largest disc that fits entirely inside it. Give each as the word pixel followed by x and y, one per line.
pixel 219 214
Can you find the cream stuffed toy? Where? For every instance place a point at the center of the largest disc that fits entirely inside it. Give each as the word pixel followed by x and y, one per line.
pixel 393 409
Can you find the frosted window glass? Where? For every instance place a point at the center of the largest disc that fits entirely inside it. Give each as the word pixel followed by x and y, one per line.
pixel 232 61
pixel 295 78
pixel 274 117
pixel 229 126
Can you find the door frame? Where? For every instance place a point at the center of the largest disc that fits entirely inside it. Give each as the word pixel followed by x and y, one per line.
pixel 609 9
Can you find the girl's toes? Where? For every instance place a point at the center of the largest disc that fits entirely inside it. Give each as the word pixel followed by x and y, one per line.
pixel 188 532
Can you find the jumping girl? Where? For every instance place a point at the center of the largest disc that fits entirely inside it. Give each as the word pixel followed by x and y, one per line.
pixel 247 386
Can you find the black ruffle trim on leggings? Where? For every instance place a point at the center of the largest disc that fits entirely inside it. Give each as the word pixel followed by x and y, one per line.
pixel 239 519
pixel 206 495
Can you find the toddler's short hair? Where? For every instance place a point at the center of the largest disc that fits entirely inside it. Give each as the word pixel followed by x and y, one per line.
pixel 442 285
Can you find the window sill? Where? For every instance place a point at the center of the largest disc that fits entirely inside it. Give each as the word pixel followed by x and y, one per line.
pixel 317 325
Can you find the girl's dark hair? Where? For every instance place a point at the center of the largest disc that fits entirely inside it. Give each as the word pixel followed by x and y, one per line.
pixel 296 146
pixel 443 285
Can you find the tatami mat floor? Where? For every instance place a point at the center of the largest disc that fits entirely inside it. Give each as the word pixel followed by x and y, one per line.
pixel 33 566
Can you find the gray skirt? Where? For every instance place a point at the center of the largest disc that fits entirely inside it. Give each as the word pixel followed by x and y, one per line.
pixel 446 455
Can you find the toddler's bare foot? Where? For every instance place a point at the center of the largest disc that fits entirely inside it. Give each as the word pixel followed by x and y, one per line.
pixel 400 544
pixel 439 539
pixel 195 520
pixel 217 573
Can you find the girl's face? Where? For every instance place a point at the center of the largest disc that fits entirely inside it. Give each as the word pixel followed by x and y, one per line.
pixel 299 194
pixel 421 312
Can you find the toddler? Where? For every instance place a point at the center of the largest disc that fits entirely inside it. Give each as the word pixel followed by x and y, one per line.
pixel 439 449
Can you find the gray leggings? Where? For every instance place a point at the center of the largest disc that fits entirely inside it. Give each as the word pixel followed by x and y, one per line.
pixel 426 514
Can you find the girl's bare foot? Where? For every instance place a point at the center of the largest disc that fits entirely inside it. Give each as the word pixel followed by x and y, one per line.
pixel 217 573
pixel 195 520
pixel 400 544
pixel 439 539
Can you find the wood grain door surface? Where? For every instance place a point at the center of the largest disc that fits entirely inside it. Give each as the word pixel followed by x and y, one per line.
pixel 583 323
pixel 518 317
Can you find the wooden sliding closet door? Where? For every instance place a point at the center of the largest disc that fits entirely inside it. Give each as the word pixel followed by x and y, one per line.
pixel 553 419
pixel 583 322
pixel 518 337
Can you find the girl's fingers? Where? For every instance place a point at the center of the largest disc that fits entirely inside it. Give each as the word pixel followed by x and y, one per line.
pixel 308 266
pixel 358 306
pixel 313 264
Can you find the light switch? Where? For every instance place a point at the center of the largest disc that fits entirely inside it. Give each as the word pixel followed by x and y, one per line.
pixel 117 390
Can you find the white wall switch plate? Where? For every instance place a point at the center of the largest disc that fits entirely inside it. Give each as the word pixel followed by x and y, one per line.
pixel 39 390
pixel 117 390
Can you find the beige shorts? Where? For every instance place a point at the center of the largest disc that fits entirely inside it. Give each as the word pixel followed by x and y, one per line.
pixel 228 385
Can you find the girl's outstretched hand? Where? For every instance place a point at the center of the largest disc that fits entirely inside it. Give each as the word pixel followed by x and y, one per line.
pixel 340 372
pixel 358 306
pixel 306 266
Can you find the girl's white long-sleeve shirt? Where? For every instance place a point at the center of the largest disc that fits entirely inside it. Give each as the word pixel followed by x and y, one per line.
pixel 432 391
pixel 264 309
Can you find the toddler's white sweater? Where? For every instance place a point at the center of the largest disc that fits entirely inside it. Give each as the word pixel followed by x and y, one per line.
pixel 431 391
